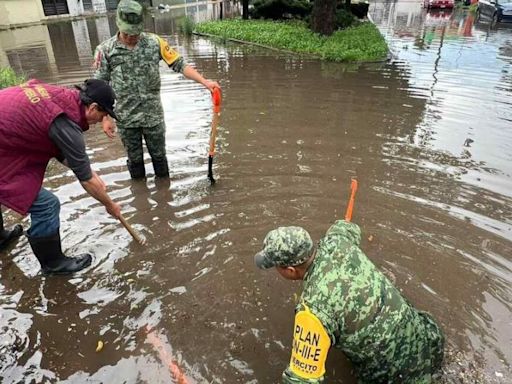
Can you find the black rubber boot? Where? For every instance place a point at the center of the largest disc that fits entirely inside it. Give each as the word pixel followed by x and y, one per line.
pixel 53 261
pixel 8 237
pixel 161 167
pixel 137 170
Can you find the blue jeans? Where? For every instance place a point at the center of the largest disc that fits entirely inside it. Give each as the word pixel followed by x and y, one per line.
pixel 44 215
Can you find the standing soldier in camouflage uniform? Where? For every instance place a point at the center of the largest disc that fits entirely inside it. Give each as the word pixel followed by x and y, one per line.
pixel 130 62
pixel 348 303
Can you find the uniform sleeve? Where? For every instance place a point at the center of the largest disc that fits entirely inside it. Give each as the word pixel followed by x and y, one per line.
pixel 343 231
pixel 68 137
pixel 170 56
pixel 179 65
pixel 310 346
pixel 100 65
pixel 290 378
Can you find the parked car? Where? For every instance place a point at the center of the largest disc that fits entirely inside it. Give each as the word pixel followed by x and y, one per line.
pixel 439 4
pixel 437 18
pixel 496 10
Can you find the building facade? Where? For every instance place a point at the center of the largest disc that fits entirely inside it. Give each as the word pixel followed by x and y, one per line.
pixel 16 13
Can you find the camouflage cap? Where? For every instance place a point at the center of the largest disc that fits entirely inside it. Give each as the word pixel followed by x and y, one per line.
pixel 129 18
pixel 284 246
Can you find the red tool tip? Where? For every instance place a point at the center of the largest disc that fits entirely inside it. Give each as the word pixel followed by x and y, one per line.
pixel 216 96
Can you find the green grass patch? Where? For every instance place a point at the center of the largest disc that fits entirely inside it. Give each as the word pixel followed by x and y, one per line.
pixel 362 42
pixel 8 78
pixel 186 26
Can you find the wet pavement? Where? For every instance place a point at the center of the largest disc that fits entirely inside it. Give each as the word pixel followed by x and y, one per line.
pixel 427 135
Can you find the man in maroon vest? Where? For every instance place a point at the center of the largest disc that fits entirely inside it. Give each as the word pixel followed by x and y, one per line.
pixel 38 122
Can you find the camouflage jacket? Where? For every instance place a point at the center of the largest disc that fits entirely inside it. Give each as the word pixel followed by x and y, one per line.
pixel 135 76
pixel 363 314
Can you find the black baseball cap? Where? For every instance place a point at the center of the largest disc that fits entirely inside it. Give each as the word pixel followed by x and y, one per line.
pixel 100 92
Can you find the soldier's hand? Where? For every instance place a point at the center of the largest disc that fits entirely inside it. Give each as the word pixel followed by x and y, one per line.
pixel 211 84
pixel 109 128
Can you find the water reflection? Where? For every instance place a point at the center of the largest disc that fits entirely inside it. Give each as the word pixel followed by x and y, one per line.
pixel 427 135
pixel 61 52
pixel 455 65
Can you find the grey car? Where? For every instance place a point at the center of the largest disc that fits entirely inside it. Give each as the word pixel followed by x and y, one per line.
pixel 496 10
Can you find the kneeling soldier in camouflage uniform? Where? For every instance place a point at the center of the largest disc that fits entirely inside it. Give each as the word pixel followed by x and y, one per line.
pixel 347 302
pixel 130 62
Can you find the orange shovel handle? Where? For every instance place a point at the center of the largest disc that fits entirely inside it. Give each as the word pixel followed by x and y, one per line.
pixel 213 134
pixel 350 207
pixel 216 97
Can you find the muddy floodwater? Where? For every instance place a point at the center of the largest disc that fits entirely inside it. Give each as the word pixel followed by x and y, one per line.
pixel 428 136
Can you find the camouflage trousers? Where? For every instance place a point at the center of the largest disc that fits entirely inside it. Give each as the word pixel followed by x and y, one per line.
pixel 154 138
pixel 417 357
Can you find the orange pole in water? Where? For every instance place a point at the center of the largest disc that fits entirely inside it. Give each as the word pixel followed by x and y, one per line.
pixel 217 99
pixel 166 358
pixel 350 207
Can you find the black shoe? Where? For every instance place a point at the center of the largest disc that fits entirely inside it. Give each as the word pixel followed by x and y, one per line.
pixel 53 261
pixel 161 168
pixel 137 170
pixel 8 237
pixel 68 265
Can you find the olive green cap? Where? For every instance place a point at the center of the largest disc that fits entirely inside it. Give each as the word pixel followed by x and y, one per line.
pixel 284 246
pixel 130 18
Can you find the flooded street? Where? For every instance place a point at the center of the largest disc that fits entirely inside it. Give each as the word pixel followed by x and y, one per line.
pixel 428 136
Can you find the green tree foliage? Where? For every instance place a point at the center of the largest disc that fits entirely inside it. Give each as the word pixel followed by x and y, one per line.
pixel 280 9
pixel 9 78
pixel 344 19
pixel 359 10
pixel 186 26
pixel 324 16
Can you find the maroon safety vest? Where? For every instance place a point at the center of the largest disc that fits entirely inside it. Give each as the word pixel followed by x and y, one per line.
pixel 26 113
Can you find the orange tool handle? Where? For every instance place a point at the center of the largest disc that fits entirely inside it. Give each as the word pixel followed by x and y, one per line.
pixel 213 134
pixel 350 207
pixel 217 99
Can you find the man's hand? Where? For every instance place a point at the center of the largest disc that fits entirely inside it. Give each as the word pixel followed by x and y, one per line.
pixel 114 209
pixel 109 127
pixel 210 84
pixel 190 73
pixel 97 189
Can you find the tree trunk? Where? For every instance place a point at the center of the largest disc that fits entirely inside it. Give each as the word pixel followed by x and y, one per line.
pixel 245 9
pixel 347 5
pixel 323 17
